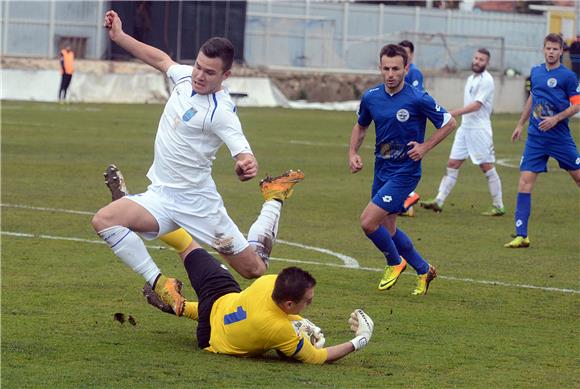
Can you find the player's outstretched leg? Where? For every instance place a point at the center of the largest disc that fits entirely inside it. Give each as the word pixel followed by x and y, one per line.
pixel 423 281
pixel 178 239
pixel 115 182
pixel 275 191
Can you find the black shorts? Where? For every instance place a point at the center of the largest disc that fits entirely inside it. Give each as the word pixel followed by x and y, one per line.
pixel 210 280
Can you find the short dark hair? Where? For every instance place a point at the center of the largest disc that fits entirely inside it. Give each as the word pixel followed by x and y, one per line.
pixel 221 48
pixel 394 51
pixel 554 38
pixel 408 44
pixel 485 51
pixel 291 284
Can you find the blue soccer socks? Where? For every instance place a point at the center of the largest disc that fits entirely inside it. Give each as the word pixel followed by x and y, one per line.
pixel 382 239
pixel 407 250
pixel 522 214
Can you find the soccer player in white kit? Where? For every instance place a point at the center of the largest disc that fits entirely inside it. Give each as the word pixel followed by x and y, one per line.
pixel 474 137
pixel 198 118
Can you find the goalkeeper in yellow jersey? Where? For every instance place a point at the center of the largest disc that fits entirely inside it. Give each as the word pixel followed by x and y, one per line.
pixel 262 317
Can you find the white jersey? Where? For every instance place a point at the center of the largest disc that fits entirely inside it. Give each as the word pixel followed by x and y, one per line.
pixel 191 130
pixel 479 87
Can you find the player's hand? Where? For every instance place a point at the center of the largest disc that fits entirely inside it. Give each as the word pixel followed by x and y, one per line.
pixel 517 134
pixel 355 163
pixel 246 166
pixel 548 122
pixel 363 326
pixel 113 24
pixel 311 331
pixel 418 150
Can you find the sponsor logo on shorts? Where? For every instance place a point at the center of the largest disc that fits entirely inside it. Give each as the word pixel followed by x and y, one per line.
pixel 578 161
pixel 402 115
pixel 387 198
pixel 552 82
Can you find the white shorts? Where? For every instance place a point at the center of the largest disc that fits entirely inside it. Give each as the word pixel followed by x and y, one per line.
pixel 200 212
pixel 476 143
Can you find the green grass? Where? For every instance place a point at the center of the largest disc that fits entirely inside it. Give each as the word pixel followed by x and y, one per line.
pixel 59 296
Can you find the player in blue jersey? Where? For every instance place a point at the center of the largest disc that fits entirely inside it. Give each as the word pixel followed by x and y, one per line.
pixel 554 98
pixel 400 113
pixel 413 77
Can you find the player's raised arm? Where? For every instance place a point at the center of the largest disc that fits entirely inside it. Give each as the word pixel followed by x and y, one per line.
pixel 148 54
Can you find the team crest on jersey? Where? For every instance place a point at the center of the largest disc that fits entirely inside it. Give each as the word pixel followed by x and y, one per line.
pixel 552 82
pixel 188 114
pixel 402 115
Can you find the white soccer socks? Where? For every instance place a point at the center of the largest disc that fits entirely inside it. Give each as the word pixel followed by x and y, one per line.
pixel 447 183
pixel 263 232
pixel 494 183
pixel 129 247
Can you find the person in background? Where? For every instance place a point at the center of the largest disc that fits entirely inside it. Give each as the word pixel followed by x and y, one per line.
pixel 554 99
pixel 67 58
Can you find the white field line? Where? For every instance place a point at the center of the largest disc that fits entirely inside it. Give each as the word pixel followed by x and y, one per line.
pixel 345 266
pixel 346 260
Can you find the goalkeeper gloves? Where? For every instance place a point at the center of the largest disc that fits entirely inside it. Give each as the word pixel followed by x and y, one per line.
pixel 310 331
pixel 363 326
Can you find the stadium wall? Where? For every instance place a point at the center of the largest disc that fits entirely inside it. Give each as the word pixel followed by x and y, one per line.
pixel 133 82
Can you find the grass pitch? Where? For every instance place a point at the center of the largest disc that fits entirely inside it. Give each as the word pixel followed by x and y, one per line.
pixel 494 317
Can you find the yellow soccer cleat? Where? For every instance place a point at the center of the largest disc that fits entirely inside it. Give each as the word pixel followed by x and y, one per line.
pixel 519 242
pixel 280 188
pixel 423 281
pixel 392 274
pixel 169 290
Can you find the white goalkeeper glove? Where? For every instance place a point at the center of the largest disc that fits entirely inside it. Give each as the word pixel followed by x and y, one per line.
pixel 362 325
pixel 311 331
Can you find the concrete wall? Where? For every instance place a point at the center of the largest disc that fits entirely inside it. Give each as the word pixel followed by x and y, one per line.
pixel 130 82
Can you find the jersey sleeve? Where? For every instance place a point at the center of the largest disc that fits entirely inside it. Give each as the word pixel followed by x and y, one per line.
pixel 573 89
pixel 434 112
pixel 298 347
pixel 179 73
pixel 227 126
pixel 364 114
pixel 485 90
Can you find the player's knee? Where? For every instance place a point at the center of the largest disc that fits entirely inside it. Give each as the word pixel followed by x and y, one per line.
pixel 102 219
pixel 367 225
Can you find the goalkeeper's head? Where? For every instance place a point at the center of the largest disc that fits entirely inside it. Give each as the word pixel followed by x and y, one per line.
pixel 293 290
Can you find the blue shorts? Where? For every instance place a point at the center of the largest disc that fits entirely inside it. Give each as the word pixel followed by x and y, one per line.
pixel 391 194
pixel 539 149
